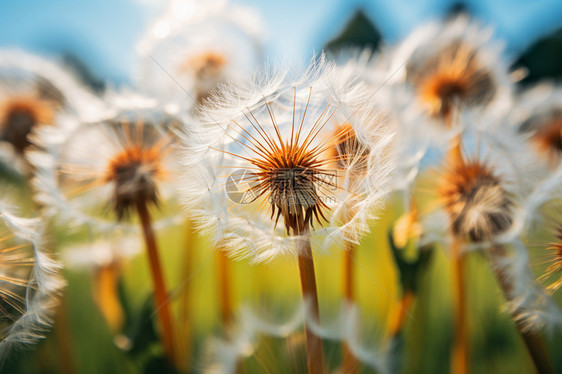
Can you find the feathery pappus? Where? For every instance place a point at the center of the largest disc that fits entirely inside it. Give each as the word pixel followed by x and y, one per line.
pixel 277 157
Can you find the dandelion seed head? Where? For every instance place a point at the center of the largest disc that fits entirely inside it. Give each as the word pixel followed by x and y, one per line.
pixel 350 153
pixel 102 170
pixel 134 173
pixel 282 151
pixel 442 71
pixel 19 116
pixel 42 82
pixel 454 76
pixel 196 54
pixel 209 69
pixel 478 205
pixel 545 131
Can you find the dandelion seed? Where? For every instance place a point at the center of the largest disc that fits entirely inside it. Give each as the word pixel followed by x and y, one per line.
pixel 454 66
pixel 484 187
pixel 485 197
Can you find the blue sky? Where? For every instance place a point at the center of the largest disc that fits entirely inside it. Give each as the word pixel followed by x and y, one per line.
pixel 104 32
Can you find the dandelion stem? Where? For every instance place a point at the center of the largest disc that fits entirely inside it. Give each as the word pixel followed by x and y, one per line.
pixel 533 340
pixel 310 294
pixel 185 327
pixel 107 295
pixel 160 294
pixel 65 339
pixel 460 352
pixel 225 299
pixel 396 323
pixel 348 272
pixel 350 363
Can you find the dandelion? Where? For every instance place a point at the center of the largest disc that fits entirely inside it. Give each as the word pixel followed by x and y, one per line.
pixel 199 50
pixel 276 162
pixel 478 205
pixel 456 66
pixel 19 116
pixel 538 115
pixel 102 170
pixel 33 91
pixel 483 191
pixel 105 172
pixel 443 70
pixel 31 285
pixel 351 155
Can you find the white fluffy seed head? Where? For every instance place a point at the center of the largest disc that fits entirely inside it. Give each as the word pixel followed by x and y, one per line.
pixel 268 161
pixel 95 173
pixel 184 58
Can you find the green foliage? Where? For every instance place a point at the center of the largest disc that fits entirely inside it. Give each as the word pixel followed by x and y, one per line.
pixel 359 32
pixel 543 59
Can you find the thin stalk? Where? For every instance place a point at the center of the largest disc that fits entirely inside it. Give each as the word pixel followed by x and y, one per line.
pixel 160 294
pixel 348 284
pixel 64 336
pixel 314 352
pixel 533 340
pixel 350 362
pixel 184 317
pixel 225 297
pixel 395 328
pixel 460 352
pixel 397 320
pixel 107 295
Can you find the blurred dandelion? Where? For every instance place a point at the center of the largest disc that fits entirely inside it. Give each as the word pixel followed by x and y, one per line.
pixel 31 285
pixel 106 171
pixel 211 44
pixel 33 91
pixel 454 66
pixel 538 115
pixel 100 170
pixel 484 191
pixel 445 69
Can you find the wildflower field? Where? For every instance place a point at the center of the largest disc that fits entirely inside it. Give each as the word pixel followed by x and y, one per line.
pixel 392 205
